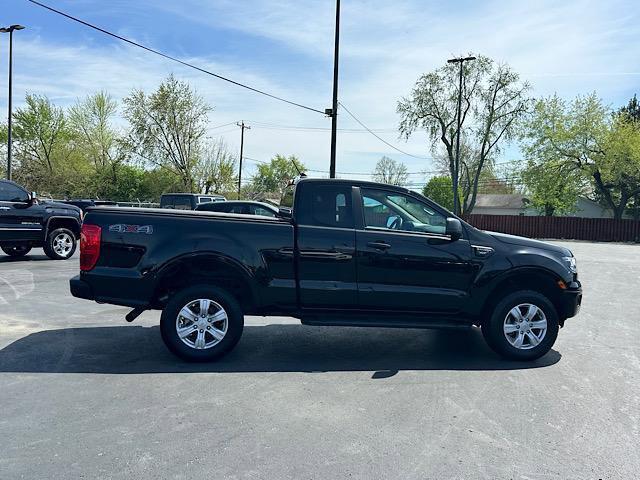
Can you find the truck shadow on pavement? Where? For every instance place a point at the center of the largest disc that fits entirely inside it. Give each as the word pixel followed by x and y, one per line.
pixel 269 348
pixel 26 258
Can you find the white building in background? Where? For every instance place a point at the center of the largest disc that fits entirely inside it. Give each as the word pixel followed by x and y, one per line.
pixel 517 204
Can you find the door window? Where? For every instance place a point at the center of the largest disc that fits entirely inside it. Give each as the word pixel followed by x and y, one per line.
pixel 396 211
pixel 263 212
pixel 327 206
pixel 12 193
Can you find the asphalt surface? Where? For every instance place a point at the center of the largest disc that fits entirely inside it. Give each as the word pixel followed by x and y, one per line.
pixel 83 394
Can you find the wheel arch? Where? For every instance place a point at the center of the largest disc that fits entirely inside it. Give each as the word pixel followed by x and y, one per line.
pixel 55 222
pixel 206 268
pixel 536 279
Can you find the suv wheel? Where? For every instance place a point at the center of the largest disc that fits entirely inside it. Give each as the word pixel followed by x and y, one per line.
pixel 523 326
pixel 19 251
pixel 201 323
pixel 60 244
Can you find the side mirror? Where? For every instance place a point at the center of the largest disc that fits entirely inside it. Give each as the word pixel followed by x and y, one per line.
pixel 33 197
pixel 284 212
pixel 453 228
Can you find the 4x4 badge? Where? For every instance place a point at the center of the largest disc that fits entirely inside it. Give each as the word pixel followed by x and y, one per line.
pixel 122 228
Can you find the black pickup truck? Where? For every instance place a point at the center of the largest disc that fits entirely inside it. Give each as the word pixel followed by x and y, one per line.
pixel 339 253
pixel 26 223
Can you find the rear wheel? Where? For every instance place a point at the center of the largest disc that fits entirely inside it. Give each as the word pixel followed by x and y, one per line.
pixel 201 323
pixel 523 326
pixel 19 251
pixel 60 244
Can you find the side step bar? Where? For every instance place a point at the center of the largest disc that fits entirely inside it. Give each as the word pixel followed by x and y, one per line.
pixel 383 322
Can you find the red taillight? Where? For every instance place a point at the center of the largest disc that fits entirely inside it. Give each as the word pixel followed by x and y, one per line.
pixel 89 246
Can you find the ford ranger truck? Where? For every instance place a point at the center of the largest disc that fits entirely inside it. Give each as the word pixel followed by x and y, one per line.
pixel 340 253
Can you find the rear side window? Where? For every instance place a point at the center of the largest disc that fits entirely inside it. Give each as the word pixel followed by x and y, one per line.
pixel 326 206
pixel 204 200
pixel 166 201
pixel 182 203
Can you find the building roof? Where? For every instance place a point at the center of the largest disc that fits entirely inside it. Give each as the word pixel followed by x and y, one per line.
pixel 494 200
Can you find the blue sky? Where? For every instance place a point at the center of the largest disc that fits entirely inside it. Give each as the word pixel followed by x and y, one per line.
pixel 286 47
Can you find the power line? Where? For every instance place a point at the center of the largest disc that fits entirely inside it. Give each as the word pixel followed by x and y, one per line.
pixel 169 57
pixel 223 125
pixel 380 138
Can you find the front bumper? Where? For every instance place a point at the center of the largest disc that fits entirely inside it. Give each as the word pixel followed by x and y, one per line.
pixel 570 300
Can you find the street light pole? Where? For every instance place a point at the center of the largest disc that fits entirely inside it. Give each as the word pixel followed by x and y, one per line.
pixel 334 107
pixel 10 30
pixel 456 166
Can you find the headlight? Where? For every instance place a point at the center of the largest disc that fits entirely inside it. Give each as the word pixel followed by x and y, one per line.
pixel 570 262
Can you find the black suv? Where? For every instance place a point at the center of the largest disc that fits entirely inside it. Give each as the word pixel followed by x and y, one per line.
pixel 25 223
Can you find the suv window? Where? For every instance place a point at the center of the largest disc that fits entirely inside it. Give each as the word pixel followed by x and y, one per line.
pixel 12 193
pixel 327 206
pixel 182 202
pixel 205 200
pixel 396 211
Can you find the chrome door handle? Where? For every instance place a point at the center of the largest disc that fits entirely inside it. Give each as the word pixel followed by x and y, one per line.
pixel 379 245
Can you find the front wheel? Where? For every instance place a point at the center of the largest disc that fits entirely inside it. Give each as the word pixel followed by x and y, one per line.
pixel 201 323
pixel 523 326
pixel 19 251
pixel 60 244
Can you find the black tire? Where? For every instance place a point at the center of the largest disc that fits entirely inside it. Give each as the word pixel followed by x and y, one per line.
pixel 494 334
pixel 55 253
pixel 169 319
pixel 19 251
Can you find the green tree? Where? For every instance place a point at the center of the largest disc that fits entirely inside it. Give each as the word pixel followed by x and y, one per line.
pixel 494 100
pixel 583 136
pixel 632 110
pixel 390 171
pixel 440 190
pixel 168 127
pixel 273 177
pixel 552 188
pixel 103 146
pixel 217 168
pixel 42 142
pixel 91 119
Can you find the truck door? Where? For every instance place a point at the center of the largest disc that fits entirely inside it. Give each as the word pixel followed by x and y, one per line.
pixel 20 218
pixel 326 246
pixel 405 262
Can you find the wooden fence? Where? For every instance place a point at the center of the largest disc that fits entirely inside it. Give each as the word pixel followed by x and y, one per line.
pixel 574 228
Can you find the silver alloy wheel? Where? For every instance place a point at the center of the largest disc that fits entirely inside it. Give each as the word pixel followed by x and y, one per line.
pixel 525 326
pixel 63 244
pixel 202 323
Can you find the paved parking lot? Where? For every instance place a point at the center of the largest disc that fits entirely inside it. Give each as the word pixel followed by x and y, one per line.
pixel 86 395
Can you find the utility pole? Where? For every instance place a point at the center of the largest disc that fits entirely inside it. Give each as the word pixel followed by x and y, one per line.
pixel 10 30
pixel 243 127
pixel 456 167
pixel 333 112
